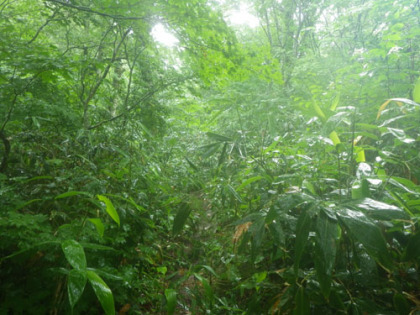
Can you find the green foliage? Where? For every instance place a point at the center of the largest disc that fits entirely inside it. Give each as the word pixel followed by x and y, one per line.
pixel 268 170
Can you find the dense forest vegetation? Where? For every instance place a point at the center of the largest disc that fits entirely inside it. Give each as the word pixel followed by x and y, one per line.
pixel 241 170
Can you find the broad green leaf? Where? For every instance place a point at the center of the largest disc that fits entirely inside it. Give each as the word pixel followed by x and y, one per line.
pixel 335 102
pixel 74 254
pixel 99 226
pixel 75 285
pixel 325 251
pixel 334 137
pixel 416 91
pixel 360 155
pixel 248 181
pixel 366 232
pixel 72 193
pixel 180 219
pixel 302 306
pixel 413 248
pixel 170 295
pixel 218 137
pixel 110 208
pixel 360 189
pixel 401 304
pixel 382 211
pixel 302 233
pixel 102 292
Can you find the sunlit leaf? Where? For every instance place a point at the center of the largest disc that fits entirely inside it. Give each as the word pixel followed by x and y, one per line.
pixel 110 208
pixel 334 137
pixel 416 91
pixel 99 226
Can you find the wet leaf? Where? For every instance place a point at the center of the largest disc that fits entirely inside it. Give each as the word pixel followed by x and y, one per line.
pixel 102 292
pixel 74 254
pixel 75 285
pixel 110 208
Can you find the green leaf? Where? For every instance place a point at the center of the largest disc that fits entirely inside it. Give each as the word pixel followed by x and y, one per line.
pixel 360 189
pixel 102 291
pixel 234 193
pixel 180 219
pixel 334 137
pixel 412 251
pixel 72 193
pixel 75 254
pixel 382 211
pixel 207 288
pixel 416 91
pixel 401 304
pixel 248 181
pixel 366 232
pixel 318 110
pixel 302 306
pixel 170 295
pixel 302 233
pixel 75 285
pixel 99 226
pixel 325 251
pixel 110 208
pixel 218 137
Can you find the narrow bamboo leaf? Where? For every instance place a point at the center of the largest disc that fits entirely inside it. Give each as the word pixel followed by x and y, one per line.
pixel 76 285
pixel 222 155
pixel 366 232
pixel 234 193
pixel 302 233
pixel 248 181
pixel 128 200
pixel 27 204
pixel 74 254
pixel 207 288
pixel 218 137
pixel 318 110
pixel 72 193
pixel 325 251
pixel 335 102
pixel 334 137
pixel 382 108
pixel 212 148
pixel 302 306
pixel 170 295
pixel 99 226
pixel 102 292
pixel 180 219
pixel 191 164
pixel 416 91
pixel 110 208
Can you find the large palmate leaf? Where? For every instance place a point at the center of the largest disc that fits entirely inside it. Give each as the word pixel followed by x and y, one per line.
pixel 365 231
pixel 102 292
pixel 75 254
pixel 327 232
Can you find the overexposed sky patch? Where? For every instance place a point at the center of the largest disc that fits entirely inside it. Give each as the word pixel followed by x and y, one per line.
pixel 242 17
pixel 163 36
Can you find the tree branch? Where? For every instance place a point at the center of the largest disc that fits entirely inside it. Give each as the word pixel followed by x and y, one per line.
pixel 88 10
